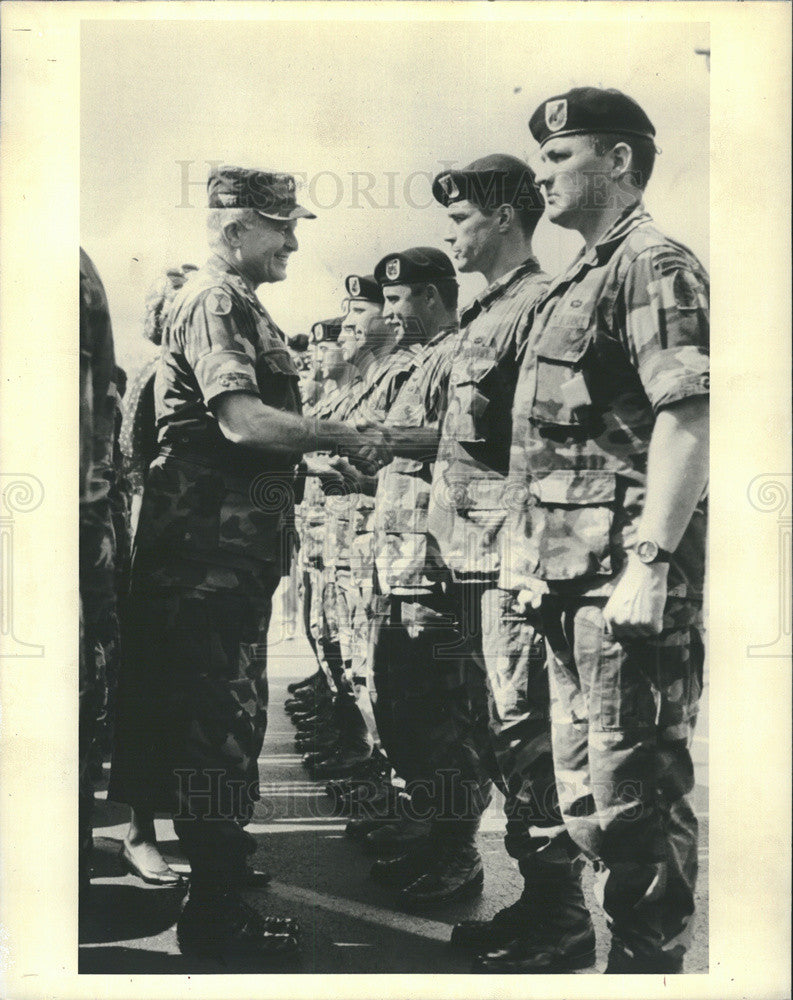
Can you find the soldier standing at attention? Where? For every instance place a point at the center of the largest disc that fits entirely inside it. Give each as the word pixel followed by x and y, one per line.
pixel 213 541
pixel 610 445
pixel 430 724
pixel 384 359
pixel 493 208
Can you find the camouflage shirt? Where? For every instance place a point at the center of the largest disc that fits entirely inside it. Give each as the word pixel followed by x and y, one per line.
pixel 466 507
pixel 407 557
pixel 620 335
pixel 212 511
pixel 324 534
pixel 380 388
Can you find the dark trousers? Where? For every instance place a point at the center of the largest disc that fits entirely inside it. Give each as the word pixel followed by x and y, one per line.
pixel 430 707
pixel 193 714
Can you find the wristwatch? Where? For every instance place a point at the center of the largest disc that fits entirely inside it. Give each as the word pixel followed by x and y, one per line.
pixel 648 552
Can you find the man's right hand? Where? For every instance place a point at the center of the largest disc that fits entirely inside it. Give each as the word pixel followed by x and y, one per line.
pixel 372 450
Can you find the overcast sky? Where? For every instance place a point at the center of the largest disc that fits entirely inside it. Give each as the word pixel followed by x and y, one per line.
pixel 367 112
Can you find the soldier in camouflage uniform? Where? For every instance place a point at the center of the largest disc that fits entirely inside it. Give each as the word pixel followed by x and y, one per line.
pixel 213 540
pixel 493 208
pixel 384 365
pixel 609 465
pixel 431 724
pixel 98 615
pixel 333 609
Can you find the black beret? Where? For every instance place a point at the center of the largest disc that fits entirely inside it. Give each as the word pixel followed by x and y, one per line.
pixel 298 343
pixel 364 287
pixel 419 265
pixel 271 195
pixel 498 179
pixel 587 110
pixel 327 330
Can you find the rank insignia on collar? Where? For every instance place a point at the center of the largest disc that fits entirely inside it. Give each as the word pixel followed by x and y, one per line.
pixel 556 114
pixel 449 187
pixel 392 269
pixel 219 302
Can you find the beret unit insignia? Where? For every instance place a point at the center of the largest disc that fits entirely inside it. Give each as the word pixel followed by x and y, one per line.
pixel 556 114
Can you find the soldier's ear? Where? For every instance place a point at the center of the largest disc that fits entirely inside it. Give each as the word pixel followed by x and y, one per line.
pixel 506 216
pixel 231 234
pixel 621 159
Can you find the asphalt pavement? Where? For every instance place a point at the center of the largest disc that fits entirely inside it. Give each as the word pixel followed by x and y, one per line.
pixel 349 924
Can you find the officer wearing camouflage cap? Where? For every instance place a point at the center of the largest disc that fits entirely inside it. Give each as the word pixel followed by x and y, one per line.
pixel 213 541
pixel 609 467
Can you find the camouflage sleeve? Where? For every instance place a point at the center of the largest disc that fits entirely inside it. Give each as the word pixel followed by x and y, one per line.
pixel 221 357
pixel 667 325
pixel 395 383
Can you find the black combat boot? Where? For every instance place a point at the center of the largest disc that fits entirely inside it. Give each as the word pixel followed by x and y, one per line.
pixel 397 837
pixel 477 936
pixel 317 681
pixel 217 924
pixel 456 873
pixel 345 760
pixel 629 960
pixel 398 872
pixel 557 935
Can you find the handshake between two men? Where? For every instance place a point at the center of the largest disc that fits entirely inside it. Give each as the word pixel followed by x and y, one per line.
pixel 367 448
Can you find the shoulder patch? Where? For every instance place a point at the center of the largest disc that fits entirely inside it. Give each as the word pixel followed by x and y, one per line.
pixel 685 290
pixel 218 301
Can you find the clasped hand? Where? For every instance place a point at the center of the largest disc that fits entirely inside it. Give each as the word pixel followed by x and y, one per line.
pixel 371 449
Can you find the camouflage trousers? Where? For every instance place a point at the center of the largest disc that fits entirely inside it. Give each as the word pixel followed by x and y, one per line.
pixel 623 715
pixel 342 611
pixel 520 730
pixel 430 706
pixel 193 717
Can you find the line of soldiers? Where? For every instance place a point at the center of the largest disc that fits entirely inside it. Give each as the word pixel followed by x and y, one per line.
pixel 501 546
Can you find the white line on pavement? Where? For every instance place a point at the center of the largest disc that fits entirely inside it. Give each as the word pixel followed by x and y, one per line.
pixel 406 923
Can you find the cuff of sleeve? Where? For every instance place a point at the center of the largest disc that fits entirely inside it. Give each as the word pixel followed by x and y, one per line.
pixel 697 385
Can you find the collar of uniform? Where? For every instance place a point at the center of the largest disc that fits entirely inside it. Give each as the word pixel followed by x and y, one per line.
pixel 632 217
pixel 443 333
pixel 225 267
pixel 495 290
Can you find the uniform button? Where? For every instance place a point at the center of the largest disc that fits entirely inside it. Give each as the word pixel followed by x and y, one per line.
pixel 188 536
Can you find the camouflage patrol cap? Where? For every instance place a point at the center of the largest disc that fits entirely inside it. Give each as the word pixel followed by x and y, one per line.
pixel 326 331
pixel 418 265
pixel 585 110
pixel 498 179
pixel 270 194
pixel 364 287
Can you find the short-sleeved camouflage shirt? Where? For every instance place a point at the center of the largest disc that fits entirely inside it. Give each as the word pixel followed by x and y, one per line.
pixel 322 545
pixel 623 333
pixel 373 401
pixel 207 501
pixel 466 507
pixel 407 557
